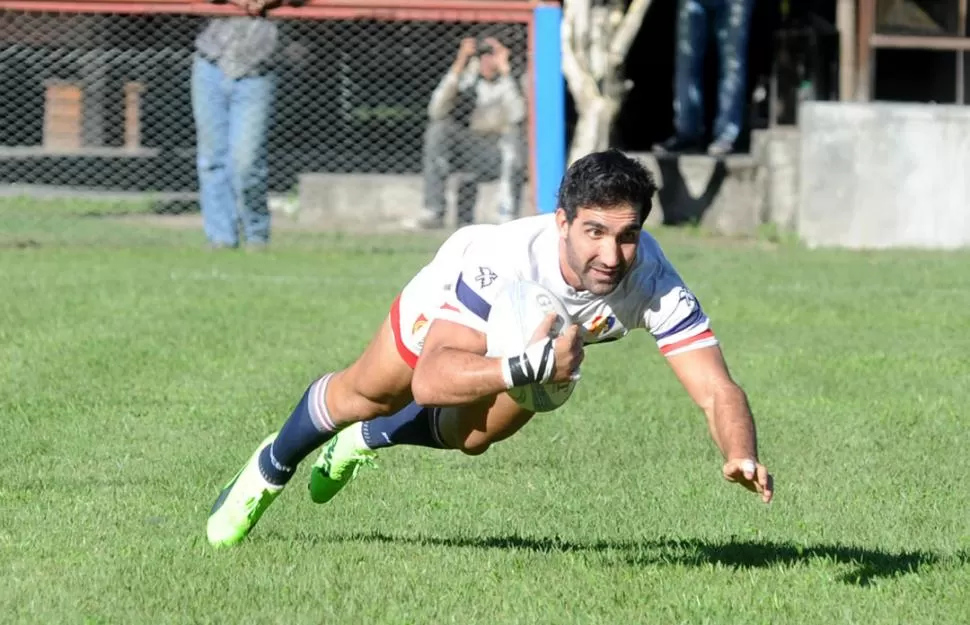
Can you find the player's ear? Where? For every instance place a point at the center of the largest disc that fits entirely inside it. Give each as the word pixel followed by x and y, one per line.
pixel 562 222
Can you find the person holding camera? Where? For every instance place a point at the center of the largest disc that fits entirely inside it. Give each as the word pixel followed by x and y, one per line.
pixel 477 114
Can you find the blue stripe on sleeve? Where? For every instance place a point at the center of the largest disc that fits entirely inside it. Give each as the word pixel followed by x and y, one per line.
pixel 472 300
pixel 695 317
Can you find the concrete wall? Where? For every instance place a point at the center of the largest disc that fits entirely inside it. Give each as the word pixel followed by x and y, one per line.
pixel 365 202
pixel 777 153
pixel 733 196
pixel 884 175
pixel 721 195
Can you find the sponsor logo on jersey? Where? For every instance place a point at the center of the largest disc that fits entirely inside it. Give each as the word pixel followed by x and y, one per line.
pixel 600 324
pixel 419 323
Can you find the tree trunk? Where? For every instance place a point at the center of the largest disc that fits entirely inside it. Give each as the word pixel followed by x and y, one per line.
pixel 593 127
pixel 595 41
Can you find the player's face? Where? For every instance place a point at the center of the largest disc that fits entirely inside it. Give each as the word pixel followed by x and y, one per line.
pixel 598 247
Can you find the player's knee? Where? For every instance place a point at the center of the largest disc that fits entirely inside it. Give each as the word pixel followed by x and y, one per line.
pixel 474 448
pixel 476 442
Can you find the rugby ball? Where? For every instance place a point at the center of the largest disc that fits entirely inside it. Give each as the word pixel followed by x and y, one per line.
pixel 517 310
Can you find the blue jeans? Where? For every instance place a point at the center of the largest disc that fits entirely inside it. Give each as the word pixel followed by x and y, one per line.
pixel 730 20
pixel 232 118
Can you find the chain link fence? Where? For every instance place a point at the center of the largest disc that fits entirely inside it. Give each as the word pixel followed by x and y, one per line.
pixel 320 123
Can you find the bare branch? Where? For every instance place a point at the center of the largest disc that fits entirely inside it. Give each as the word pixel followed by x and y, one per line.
pixel 628 30
pixel 581 85
pixel 578 12
pixel 599 43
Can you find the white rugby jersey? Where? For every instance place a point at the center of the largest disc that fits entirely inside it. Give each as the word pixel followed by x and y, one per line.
pixel 651 296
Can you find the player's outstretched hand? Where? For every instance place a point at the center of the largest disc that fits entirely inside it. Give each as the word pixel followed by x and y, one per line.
pixel 752 475
pixel 568 347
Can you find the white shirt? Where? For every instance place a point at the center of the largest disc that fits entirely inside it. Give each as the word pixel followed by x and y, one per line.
pixel 651 296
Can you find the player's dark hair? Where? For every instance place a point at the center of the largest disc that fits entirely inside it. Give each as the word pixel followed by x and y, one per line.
pixel 606 180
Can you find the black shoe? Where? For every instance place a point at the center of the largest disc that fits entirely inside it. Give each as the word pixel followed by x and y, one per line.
pixel 678 145
pixel 720 147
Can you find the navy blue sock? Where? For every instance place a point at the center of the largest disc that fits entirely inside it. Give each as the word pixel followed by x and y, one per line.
pixel 412 425
pixel 309 427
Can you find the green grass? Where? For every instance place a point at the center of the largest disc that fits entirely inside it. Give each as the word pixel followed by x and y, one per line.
pixel 137 372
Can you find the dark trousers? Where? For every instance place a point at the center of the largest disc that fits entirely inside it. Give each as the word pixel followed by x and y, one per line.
pixel 730 20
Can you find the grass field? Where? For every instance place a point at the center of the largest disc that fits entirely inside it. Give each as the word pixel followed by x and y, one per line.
pixel 139 372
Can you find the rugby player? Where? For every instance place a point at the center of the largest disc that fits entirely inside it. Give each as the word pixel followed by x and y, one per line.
pixel 425 379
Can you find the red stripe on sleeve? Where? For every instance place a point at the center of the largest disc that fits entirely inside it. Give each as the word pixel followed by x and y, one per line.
pixel 706 334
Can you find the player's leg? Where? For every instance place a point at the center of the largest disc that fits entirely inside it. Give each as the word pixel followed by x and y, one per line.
pixel 471 429
pixel 474 428
pixel 377 383
pixel 357 395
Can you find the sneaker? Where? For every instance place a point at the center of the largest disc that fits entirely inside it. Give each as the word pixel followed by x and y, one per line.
pixel 339 462
pixel 678 145
pixel 241 503
pixel 720 147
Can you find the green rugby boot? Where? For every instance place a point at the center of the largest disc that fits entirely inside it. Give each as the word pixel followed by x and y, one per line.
pixel 341 459
pixel 241 503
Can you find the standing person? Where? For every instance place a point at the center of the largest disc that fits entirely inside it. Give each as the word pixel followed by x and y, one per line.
pixel 476 114
pixel 233 89
pixel 730 21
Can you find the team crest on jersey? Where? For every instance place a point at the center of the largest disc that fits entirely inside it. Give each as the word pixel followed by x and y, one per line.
pixel 600 324
pixel 485 277
pixel 419 323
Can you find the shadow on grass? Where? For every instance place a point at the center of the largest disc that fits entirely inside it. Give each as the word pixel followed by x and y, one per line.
pixel 866 565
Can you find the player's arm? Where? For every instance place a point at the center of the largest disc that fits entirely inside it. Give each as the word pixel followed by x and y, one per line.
pixel 684 336
pixel 454 369
pixel 704 374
